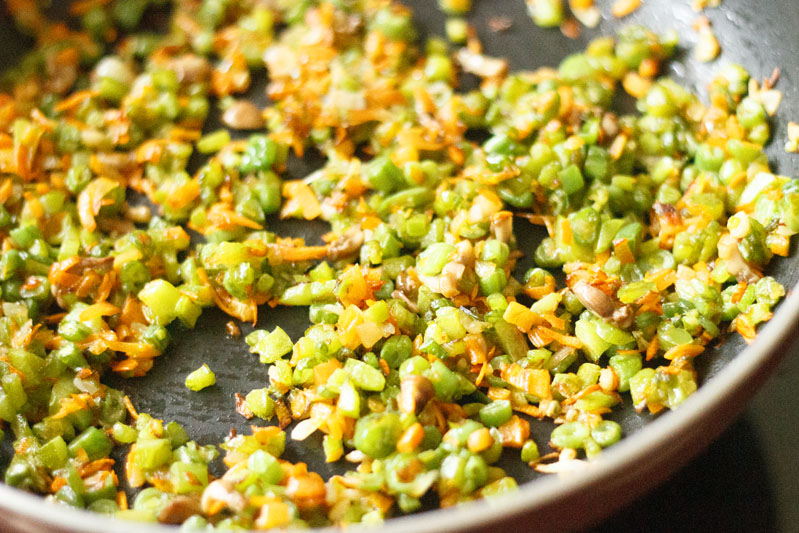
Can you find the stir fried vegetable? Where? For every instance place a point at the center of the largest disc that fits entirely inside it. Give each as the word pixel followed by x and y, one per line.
pixel 428 354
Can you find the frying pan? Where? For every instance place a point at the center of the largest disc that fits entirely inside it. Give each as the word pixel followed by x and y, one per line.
pixel 759 36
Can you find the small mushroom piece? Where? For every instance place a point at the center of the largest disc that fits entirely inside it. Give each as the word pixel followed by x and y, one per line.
pixel 139 214
pixel 464 253
pixel 179 509
pixel 280 61
pixel 707 47
pixel 502 226
pixel 95 263
pixel 736 264
pixel 589 16
pixel 346 24
pixel 62 74
pixel 220 494
pixel 481 65
pixel 306 490
pixel 190 68
pixel 433 283
pixel 115 68
pixel 415 393
pixel 792 145
pixel 622 317
pixel 594 299
pixel 450 278
pixel 241 405
pixel 408 285
pixel 499 24
pixel 243 115
pixel 345 245
pixel 399 295
pixel 609 125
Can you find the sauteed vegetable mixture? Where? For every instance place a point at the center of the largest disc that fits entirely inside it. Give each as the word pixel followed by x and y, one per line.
pixel 428 354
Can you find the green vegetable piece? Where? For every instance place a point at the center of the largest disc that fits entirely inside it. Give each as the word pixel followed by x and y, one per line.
pixel 161 299
pixel 200 379
pixel 529 451
pixel 384 175
pixel 54 453
pixel 213 142
pixel 570 435
pixel 152 453
pixel 266 466
pixel 496 413
pixel 260 403
pixel 123 433
pixel 270 346
pixel 433 259
pixel 547 13
pixel 349 400
pixel 571 179
pixel 606 433
pixel 93 441
pixel 261 153
pixel 188 478
pixel 365 377
pixel 376 434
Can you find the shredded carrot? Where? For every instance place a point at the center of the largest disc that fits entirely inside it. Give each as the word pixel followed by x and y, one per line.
pixel 181 195
pixel 540 220
pixel 122 500
pixel 740 289
pixel 99 310
pixel 496 393
pixel 744 326
pixel 384 366
pixel 283 253
pixel 623 251
pixel 222 217
pixel 565 230
pixel 530 410
pixel 5 190
pixel 663 278
pixel 184 134
pixel 515 432
pixel 531 380
pixel 636 85
pixel 57 484
pixel 684 350
pixel 617 147
pixel 130 409
pixel 323 371
pixel 544 336
pixel 300 199
pixel 410 438
pixel 650 302
pixel 481 375
pixel 71 404
pixel 93 467
pixel 649 68
pixel 779 245
pixel 521 317
pixel 652 349
pixel 75 100
pixel 539 292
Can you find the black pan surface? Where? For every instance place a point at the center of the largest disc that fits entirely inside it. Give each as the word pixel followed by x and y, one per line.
pixel 759 36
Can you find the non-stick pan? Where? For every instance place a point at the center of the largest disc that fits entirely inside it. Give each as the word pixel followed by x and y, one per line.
pixel 758 35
